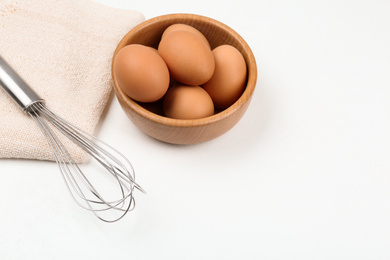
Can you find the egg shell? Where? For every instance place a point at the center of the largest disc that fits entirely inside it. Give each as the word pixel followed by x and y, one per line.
pixel 189 59
pixel 141 73
pixel 187 102
pixel 185 27
pixel 229 79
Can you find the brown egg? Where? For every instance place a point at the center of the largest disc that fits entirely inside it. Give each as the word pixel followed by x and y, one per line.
pixel 141 73
pixel 185 27
pixel 229 78
pixel 189 59
pixel 188 102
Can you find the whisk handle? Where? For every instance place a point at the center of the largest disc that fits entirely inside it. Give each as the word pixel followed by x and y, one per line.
pixel 18 89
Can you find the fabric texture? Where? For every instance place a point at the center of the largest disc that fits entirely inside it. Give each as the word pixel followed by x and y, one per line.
pixel 63 50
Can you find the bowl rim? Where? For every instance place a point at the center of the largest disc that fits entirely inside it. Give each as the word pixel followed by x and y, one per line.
pixel 160 119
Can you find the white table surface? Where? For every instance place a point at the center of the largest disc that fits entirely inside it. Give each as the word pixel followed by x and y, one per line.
pixel 304 175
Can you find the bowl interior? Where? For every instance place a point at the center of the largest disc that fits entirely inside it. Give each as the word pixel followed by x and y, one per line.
pixel 149 33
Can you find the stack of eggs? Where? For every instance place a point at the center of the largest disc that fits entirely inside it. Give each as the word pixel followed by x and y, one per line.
pixel 191 80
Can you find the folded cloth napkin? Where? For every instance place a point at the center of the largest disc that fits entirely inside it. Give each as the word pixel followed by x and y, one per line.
pixel 63 50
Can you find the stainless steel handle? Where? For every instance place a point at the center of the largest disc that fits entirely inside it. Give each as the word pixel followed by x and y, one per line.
pixel 18 89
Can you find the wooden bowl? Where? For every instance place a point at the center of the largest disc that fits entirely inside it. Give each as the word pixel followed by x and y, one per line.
pixel 149 119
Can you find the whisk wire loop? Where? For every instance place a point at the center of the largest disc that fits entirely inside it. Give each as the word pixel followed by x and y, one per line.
pixel 76 181
pixel 63 159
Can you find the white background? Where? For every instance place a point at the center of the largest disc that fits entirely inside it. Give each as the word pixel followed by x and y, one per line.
pixel 304 175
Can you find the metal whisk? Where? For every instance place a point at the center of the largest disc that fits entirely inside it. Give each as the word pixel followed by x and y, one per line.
pixel 83 190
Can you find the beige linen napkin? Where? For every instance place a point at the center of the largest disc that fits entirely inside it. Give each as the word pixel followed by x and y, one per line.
pixel 63 50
